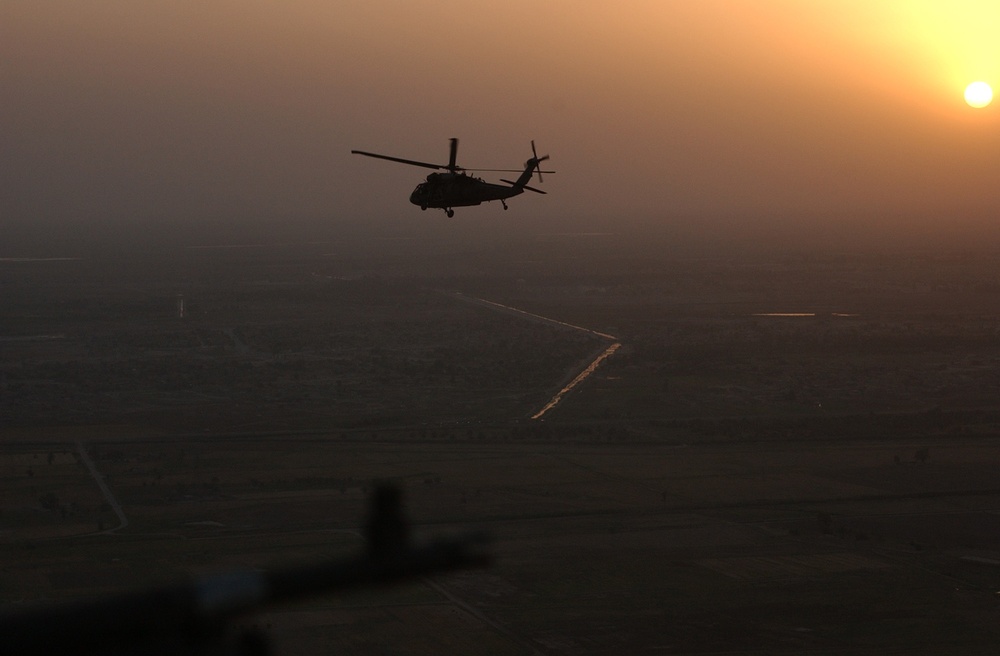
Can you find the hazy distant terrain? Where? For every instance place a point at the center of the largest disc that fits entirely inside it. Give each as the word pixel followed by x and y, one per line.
pixel 296 348
pixel 789 452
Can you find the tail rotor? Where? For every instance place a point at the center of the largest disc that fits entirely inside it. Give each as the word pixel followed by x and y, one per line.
pixel 537 160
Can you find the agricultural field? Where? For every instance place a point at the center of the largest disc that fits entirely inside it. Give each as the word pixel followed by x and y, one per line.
pixel 754 470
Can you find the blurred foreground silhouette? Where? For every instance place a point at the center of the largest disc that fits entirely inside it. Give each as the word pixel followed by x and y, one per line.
pixel 195 617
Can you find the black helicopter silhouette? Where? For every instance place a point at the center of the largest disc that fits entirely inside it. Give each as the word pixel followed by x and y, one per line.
pixel 456 188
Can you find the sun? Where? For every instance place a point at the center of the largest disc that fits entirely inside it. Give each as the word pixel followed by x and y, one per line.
pixel 978 94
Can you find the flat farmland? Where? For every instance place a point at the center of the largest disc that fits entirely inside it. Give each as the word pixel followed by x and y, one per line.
pixel 783 456
pixel 597 548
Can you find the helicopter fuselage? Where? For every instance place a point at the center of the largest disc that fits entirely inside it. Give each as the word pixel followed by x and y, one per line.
pixel 456 188
pixel 446 190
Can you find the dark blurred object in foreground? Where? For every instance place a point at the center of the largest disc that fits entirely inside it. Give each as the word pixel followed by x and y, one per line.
pixel 193 617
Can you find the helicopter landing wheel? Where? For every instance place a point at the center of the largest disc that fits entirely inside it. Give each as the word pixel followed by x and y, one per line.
pixel 450 212
pixel 423 208
pixel 504 203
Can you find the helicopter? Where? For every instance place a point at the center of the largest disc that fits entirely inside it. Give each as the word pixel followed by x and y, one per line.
pixel 456 188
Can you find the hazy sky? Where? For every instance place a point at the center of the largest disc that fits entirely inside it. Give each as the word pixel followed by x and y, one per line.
pixel 752 114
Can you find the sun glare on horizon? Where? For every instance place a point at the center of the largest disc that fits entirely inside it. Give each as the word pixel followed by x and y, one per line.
pixel 978 94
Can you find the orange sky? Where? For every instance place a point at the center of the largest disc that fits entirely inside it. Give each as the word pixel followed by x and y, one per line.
pixel 740 113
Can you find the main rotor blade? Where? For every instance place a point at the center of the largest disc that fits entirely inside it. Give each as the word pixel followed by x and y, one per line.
pixel 453 148
pixel 537 191
pixel 404 161
pixel 500 170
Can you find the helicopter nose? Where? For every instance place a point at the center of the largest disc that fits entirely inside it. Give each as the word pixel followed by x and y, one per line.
pixel 417 197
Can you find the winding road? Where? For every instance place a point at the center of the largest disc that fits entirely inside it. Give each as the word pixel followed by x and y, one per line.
pixel 582 375
pixel 105 490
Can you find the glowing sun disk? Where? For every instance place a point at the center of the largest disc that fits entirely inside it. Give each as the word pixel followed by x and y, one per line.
pixel 978 94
